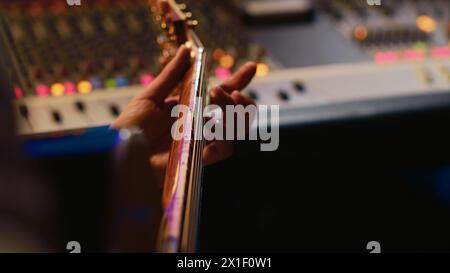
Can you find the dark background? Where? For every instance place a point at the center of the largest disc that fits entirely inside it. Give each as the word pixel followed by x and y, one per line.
pixel 333 186
pixel 336 187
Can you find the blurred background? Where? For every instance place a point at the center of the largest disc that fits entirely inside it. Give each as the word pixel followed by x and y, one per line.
pixel 364 106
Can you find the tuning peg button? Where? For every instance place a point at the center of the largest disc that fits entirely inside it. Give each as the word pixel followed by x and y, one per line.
pixel 192 23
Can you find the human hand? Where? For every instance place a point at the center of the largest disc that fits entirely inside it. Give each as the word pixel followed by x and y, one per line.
pixel 151 110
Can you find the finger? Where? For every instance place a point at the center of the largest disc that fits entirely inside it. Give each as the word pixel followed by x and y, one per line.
pixel 164 59
pixel 217 151
pixel 220 97
pixel 158 161
pixel 134 113
pixel 172 101
pixel 241 78
pixel 169 77
pixel 245 101
pixel 239 98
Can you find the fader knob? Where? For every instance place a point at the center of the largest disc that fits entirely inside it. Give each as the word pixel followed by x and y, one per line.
pixel 299 87
pixel 252 94
pixel 23 111
pixel 115 111
pixel 283 95
pixel 81 107
pixel 56 116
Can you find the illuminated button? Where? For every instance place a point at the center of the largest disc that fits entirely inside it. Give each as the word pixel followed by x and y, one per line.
pixel 227 61
pixel 440 52
pixel 420 46
pixel 360 33
pixel 42 90
pixel 146 79
pixel 70 88
pixel 262 70
pixel 222 73
pixel 84 87
pixel 57 89
pixel 387 57
pixel 110 83
pixel 96 83
pixel 426 24
pixel 122 81
pixel 413 54
pixel 18 93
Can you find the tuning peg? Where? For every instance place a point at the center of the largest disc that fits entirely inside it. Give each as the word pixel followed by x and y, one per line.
pixel 158 18
pixel 182 6
pixel 192 23
pixel 188 15
pixel 164 26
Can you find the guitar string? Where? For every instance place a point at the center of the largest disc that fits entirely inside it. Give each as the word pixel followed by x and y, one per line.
pixel 196 184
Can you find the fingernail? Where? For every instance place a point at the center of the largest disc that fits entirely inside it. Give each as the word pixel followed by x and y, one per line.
pixel 184 47
pixel 250 64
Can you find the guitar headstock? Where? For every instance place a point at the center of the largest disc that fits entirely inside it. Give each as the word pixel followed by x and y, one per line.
pixel 177 25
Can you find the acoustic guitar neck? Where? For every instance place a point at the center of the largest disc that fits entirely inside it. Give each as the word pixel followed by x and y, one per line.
pixel 182 185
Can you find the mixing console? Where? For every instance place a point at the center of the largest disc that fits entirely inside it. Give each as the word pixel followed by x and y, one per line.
pixel 403 29
pixel 108 44
pixel 78 66
pixel 304 95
